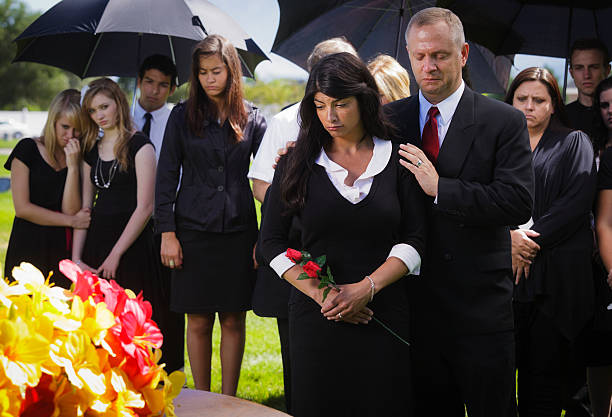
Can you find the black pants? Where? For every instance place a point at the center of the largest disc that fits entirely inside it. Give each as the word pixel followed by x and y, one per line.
pixel 452 373
pixel 549 372
pixel 283 333
pixel 171 324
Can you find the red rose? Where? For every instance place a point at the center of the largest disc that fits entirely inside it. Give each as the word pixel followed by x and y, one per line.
pixel 294 255
pixel 311 269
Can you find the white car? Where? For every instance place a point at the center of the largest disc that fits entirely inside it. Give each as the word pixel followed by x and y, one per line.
pixel 11 129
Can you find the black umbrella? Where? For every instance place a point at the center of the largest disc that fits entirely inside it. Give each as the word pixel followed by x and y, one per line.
pixel 111 37
pixel 373 26
pixel 535 27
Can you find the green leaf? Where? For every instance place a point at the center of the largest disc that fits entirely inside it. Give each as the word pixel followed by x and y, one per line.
pixel 325 292
pixel 321 260
pixel 322 285
pixel 306 256
pixel 331 277
pixel 303 275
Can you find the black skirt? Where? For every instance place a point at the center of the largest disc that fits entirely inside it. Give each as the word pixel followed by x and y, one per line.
pixel 217 273
pixel 139 267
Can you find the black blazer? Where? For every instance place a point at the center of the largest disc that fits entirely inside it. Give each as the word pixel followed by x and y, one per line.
pixel 215 193
pixel 486 184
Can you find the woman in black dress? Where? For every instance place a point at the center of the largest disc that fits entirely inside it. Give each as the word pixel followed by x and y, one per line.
pixel 364 212
pixel 45 188
pixel 551 256
pixel 118 183
pixel 209 227
pixel 599 340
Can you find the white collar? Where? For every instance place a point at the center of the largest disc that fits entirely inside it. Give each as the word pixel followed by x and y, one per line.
pixel 139 112
pixel 446 107
pixel 380 158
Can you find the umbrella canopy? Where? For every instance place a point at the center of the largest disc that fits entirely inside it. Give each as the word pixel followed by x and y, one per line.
pixel 373 27
pixel 112 37
pixel 536 27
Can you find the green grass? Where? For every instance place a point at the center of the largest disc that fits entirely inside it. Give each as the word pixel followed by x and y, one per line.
pixel 4 172
pixel 261 377
pixel 10 144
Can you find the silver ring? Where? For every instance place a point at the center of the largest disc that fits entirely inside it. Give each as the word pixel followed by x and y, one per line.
pixel 339 315
pixel 419 163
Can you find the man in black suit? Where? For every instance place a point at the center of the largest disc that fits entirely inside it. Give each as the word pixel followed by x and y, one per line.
pixel 476 166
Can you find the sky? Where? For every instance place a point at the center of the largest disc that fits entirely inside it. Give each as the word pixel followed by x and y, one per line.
pixel 260 19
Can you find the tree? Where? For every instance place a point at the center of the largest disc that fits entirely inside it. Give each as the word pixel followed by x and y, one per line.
pixel 25 84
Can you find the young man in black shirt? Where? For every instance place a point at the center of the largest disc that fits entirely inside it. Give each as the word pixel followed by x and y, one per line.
pixel 589 63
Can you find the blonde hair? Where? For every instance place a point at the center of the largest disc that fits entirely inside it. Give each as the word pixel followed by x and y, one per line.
pixel 391 78
pixel 65 104
pixel 124 122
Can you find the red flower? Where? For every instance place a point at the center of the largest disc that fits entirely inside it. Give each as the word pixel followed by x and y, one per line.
pixel 138 333
pixel 39 400
pixel 294 255
pixel 311 269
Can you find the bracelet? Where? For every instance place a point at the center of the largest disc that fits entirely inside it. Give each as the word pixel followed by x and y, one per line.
pixel 371 287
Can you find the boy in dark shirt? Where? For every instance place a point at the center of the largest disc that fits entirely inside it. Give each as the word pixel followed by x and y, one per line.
pixel 589 63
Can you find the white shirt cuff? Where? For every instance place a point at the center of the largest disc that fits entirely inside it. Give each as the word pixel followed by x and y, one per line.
pixel 408 255
pixel 281 264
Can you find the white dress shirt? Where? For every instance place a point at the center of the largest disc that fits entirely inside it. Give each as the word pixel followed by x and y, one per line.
pixel 354 194
pixel 446 109
pixel 158 124
pixel 282 128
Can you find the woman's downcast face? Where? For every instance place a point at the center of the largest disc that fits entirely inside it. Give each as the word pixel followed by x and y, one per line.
pixel 213 76
pixel 65 130
pixel 340 117
pixel 533 99
pixel 605 107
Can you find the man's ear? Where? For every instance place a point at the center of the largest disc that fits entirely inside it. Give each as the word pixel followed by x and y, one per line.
pixel 465 50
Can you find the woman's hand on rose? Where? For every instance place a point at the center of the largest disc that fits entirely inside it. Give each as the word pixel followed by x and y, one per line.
pixel 349 303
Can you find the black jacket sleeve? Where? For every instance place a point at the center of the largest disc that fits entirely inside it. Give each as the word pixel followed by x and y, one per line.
pixel 569 211
pixel 168 172
pixel 277 222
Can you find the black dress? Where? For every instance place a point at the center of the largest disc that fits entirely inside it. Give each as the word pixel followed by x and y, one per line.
pixel 42 246
pixel 341 369
pixel 212 214
pixel 138 268
pixel 554 305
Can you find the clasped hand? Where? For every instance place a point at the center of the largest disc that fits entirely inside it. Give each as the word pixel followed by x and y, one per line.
pixel 524 251
pixel 348 303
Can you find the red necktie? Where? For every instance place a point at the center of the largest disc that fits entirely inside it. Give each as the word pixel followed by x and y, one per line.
pixel 431 144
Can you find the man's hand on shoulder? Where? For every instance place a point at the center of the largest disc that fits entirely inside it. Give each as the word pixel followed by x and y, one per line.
pixel 422 169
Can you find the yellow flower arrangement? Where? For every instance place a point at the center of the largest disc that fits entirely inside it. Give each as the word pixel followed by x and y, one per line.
pixel 92 351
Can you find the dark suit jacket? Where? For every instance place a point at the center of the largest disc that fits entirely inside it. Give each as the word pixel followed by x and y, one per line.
pixel 486 184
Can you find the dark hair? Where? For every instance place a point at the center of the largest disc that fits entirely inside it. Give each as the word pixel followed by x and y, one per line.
pixel 339 76
pixel 161 63
pixel 600 132
pixel 199 106
pixel 587 44
pixel 550 82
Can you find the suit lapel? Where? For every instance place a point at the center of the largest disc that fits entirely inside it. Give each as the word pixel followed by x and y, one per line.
pixel 459 137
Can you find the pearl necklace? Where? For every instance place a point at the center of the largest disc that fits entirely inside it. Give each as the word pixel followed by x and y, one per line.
pixel 101 183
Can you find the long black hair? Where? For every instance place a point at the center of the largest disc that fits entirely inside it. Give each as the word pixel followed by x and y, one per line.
pixel 600 132
pixel 339 76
